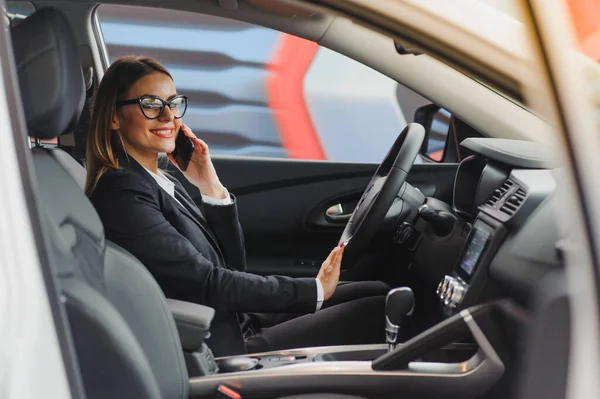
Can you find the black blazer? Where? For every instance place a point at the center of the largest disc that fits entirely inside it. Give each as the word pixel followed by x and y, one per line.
pixel 195 252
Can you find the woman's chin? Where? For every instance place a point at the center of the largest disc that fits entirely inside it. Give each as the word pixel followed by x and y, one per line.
pixel 168 148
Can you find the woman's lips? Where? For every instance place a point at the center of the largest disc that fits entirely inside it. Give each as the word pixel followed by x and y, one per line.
pixel 164 133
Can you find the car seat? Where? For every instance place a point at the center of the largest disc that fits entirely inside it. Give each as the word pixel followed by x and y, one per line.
pixel 124 335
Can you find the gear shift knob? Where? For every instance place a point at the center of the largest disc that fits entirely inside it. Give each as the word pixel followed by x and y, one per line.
pixel 399 303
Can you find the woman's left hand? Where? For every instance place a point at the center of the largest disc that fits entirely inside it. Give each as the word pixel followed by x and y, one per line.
pixel 201 171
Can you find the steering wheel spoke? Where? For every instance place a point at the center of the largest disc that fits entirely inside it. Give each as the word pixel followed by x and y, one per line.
pixel 381 192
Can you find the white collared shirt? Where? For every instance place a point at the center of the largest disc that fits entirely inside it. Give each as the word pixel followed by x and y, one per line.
pixel 167 185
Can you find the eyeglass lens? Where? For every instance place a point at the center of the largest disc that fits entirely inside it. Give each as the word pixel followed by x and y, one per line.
pixel 153 107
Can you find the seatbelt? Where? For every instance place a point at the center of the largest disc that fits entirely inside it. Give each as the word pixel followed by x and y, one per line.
pixel 82 130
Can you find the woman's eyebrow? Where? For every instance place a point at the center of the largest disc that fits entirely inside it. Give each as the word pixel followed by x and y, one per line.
pixel 154 95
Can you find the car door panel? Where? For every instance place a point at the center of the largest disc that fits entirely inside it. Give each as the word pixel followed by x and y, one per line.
pixel 282 205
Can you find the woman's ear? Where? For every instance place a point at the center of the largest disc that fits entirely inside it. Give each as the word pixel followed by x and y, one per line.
pixel 114 123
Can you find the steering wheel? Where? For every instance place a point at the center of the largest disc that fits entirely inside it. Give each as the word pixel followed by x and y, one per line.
pixel 381 191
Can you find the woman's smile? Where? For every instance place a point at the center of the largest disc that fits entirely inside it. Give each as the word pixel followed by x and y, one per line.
pixel 163 132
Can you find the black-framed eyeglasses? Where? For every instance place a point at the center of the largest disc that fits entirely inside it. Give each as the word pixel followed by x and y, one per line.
pixel 153 107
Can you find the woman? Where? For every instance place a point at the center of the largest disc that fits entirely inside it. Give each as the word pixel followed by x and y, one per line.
pixel 196 251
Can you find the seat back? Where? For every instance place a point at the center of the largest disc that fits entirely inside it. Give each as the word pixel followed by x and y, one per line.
pixel 125 337
pixel 73 168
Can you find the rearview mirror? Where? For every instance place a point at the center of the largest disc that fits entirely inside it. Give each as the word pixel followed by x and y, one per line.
pixel 436 122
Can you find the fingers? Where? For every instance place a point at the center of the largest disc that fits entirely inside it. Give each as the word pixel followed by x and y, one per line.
pixel 333 259
pixel 340 251
pixel 330 256
pixel 337 260
pixel 329 274
pixel 333 262
pixel 188 132
pixel 325 266
pixel 200 145
pixel 335 256
pixel 330 259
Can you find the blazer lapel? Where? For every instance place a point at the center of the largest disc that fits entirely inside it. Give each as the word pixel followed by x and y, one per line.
pixel 189 205
pixel 186 205
pixel 191 210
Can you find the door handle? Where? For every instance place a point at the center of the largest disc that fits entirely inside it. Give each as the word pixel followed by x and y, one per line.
pixel 335 214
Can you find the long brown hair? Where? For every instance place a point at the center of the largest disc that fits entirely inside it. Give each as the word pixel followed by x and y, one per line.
pixel 103 142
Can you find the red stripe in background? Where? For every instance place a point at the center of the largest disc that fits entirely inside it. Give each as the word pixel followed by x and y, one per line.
pixel 585 19
pixel 285 93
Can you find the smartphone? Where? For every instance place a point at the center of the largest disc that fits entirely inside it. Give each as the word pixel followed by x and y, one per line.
pixel 184 148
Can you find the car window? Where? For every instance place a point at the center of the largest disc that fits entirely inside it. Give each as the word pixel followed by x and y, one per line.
pixel 16 11
pixel 254 91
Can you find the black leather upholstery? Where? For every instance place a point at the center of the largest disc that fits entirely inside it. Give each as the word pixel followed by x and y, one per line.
pixel 125 338
pixel 49 73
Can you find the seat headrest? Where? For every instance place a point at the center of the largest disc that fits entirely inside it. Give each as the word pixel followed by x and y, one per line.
pixel 50 75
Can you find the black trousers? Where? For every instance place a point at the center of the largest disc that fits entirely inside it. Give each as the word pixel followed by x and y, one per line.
pixel 354 315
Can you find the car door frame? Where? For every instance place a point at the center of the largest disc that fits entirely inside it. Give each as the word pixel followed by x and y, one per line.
pixel 565 109
pixel 35 340
pixel 563 95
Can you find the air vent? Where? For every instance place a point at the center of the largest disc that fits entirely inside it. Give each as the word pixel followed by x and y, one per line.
pixel 499 193
pixel 513 203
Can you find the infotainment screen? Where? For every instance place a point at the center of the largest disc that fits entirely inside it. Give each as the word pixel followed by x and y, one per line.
pixel 479 238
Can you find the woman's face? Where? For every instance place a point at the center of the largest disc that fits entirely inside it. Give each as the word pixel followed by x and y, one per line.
pixel 142 136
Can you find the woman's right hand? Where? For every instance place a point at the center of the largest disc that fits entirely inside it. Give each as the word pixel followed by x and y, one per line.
pixel 201 172
pixel 329 274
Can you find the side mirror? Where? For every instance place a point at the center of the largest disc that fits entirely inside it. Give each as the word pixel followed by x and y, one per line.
pixel 436 122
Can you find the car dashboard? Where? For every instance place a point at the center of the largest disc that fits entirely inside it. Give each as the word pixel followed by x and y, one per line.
pixel 503 243
pixel 504 191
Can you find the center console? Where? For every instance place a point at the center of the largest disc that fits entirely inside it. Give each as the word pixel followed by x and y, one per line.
pixel 438 360
pixel 269 360
pixel 468 283
pixel 453 288
pixel 435 362
pixel 193 323
pixel 498 217
pixel 455 358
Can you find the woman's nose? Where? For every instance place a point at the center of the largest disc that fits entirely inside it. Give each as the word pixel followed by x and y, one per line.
pixel 167 114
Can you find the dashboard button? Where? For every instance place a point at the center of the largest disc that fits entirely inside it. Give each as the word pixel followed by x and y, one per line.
pixel 450 288
pixel 451 291
pixel 444 287
pixel 441 286
pixel 457 294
